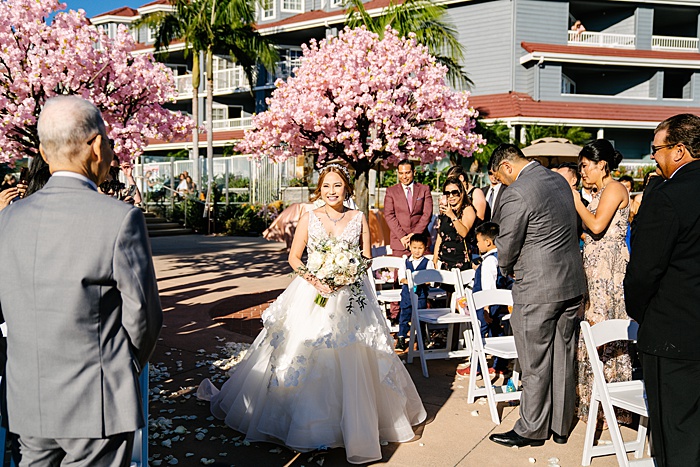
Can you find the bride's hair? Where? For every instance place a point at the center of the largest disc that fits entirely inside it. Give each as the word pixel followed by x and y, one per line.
pixel 342 172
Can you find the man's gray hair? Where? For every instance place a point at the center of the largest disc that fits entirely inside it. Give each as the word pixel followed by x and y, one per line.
pixel 66 124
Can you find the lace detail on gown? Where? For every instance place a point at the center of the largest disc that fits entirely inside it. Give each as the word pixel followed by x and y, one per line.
pixel 605 258
pixel 320 376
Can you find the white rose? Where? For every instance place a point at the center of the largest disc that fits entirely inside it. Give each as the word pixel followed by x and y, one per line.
pixel 315 261
pixel 342 260
pixel 336 248
pixel 352 269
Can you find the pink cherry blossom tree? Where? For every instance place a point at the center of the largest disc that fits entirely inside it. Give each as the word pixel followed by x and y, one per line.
pixel 365 100
pixel 39 60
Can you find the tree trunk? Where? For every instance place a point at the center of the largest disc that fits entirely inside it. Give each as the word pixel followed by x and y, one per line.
pixel 195 116
pixel 362 191
pixel 210 140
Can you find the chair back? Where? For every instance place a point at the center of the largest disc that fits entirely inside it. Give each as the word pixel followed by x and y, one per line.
pixel 479 300
pixel 383 250
pixel 383 262
pixel 436 275
pixel 468 276
pixel 603 333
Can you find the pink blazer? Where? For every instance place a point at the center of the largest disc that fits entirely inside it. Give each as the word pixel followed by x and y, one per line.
pixel 401 221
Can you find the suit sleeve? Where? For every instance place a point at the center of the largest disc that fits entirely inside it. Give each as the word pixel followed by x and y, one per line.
pixel 652 246
pixel 390 215
pixel 512 220
pixel 422 225
pixel 142 316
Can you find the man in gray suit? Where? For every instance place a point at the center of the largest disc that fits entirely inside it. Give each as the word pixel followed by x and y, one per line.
pixel 538 245
pixel 79 294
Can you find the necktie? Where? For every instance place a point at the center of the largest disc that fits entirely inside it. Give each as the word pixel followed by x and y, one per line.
pixel 409 198
pixel 489 200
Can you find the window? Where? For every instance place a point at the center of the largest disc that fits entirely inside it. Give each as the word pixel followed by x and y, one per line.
pixel 151 35
pixel 293 6
pixel 219 113
pixel 336 3
pixel 568 86
pixel 268 9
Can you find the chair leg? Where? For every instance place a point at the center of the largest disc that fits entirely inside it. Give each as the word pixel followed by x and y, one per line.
pixel 615 435
pixel 490 393
pixel 516 373
pixel 471 394
pixel 590 430
pixel 412 341
pixel 641 437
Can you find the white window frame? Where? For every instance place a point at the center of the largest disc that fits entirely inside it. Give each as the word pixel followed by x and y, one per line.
pixel 336 3
pixel 299 9
pixel 151 35
pixel 267 14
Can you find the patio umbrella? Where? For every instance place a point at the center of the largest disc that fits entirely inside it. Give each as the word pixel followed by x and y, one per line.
pixel 552 151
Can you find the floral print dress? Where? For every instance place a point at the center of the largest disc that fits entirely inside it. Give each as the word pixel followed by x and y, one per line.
pixel 453 247
pixel 605 258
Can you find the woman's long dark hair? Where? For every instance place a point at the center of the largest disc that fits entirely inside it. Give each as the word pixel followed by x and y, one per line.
pixel 37 176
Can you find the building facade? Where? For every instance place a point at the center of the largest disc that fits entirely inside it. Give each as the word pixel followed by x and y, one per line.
pixel 635 64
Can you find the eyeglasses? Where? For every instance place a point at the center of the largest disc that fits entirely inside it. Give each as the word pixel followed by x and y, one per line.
pixel 110 141
pixel 654 149
pixel 452 193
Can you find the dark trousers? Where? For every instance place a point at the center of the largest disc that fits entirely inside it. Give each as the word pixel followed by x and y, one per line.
pixel 407 310
pixel 674 409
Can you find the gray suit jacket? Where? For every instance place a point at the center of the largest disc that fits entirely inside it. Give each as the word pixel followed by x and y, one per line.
pixel 79 294
pixel 537 240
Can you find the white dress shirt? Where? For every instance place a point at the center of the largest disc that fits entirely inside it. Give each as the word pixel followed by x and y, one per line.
pixel 65 173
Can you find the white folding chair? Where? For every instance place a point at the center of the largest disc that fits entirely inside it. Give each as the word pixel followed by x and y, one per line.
pixel 444 316
pixel 628 395
pixel 385 297
pixel 384 250
pixel 502 347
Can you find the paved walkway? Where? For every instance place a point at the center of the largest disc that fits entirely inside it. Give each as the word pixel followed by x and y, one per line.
pixel 213 290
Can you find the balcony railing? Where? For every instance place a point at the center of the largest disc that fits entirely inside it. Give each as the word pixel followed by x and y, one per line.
pixel 232 124
pixel 674 43
pixel 225 81
pixel 602 39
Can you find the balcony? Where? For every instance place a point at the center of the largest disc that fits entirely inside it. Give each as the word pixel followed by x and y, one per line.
pixel 225 82
pixel 683 44
pixel 232 124
pixel 602 39
pixel 629 41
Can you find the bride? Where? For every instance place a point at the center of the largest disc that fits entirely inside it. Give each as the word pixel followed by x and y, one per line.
pixel 322 376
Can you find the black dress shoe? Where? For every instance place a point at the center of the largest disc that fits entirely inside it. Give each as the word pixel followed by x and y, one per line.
pixel 559 439
pixel 401 344
pixel 511 439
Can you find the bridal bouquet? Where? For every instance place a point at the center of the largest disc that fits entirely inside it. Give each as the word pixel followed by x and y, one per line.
pixel 337 264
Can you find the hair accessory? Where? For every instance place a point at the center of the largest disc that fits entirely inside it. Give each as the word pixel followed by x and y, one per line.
pixel 336 166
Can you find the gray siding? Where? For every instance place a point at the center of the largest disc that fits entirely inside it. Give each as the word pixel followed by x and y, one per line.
pixel 550 82
pixel 539 21
pixel 624 26
pixel 484 30
pixel 644 25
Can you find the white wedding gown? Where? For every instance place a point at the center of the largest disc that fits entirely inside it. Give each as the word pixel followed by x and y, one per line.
pixel 321 377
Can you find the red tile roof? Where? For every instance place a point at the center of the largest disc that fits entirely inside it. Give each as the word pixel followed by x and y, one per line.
pixel 517 104
pixel 156 2
pixel 608 51
pixel 319 14
pixel 123 11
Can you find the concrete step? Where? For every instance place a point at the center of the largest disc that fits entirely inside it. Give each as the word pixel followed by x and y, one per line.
pixel 163 226
pixel 170 232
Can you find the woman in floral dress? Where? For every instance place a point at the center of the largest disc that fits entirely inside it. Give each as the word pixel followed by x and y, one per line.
pixel 605 258
pixel 457 216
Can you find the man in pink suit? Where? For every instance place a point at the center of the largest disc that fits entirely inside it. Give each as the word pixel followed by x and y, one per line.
pixel 408 207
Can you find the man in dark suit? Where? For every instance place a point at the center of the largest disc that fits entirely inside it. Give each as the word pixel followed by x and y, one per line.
pixel 79 293
pixel 408 207
pixel 538 245
pixel 492 193
pixel 662 293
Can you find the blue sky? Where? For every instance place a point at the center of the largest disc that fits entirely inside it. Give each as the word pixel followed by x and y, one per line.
pixel 95 7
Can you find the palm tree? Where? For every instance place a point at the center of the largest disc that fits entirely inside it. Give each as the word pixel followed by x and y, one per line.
pixel 214 26
pixel 424 18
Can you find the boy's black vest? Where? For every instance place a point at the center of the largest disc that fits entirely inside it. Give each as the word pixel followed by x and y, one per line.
pixel 502 282
pixel 421 290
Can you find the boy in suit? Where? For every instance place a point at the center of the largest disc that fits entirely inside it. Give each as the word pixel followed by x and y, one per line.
pixel 416 262
pixel 489 277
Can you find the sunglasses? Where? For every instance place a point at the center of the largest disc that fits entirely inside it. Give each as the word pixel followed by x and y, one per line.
pixel 110 141
pixel 654 149
pixel 451 193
